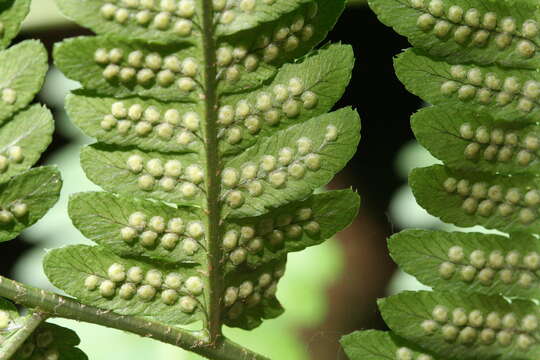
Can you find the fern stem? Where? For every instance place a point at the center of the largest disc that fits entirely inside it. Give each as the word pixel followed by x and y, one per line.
pixel 215 276
pixel 53 305
pixel 14 343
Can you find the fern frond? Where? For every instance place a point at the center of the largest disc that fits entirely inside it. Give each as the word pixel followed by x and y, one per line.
pixel 477 61
pixel 376 345
pixel 33 338
pixel 26 194
pixel 25 131
pixel 212 137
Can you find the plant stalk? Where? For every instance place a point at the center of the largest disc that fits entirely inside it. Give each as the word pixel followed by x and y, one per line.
pixel 53 305
pixel 213 183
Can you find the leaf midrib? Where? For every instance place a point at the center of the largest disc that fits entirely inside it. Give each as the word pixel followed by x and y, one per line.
pixel 212 207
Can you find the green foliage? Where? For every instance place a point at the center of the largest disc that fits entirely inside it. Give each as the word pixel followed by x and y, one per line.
pixel 115 169
pixel 25 131
pixel 477 61
pixel 31 130
pixel 437 128
pixel 88 266
pixel 48 341
pixel 212 139
pixel 325 209
pixel 376 345
pixel 23 71
pixel 444 268
pixel 11 17
pixel 444 83
pixel 26 198
pixel 101 217
pixel 309 156
pixel 25 194
pixel 463 36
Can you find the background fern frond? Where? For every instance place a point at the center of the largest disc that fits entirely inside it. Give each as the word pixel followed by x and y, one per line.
pixel 26 194
pixel 477 61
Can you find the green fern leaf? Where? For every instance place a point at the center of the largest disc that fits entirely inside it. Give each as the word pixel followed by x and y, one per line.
pixel 105 118
pixel 293 227
pixel 26 195
pixel 25 132
pixel 111 66
pixel 466 199
pixel 47 341
pixel 503 32
pixel 504 93
pixel 465 326
pixel 176 20
pixel 487 264
pixel 477 61
pixel 23 139
pixel 159 126
pixel 129 287
pixel 168 177
pixel 290 164
pixel 221 128
pixel 52 341
pixel 475 141
pixel 12 14
pixel 273 44
pixel 250 297
pixel 376 345
pixel 297 93
pixel 23 71
pixel 26 198
pixel 139 228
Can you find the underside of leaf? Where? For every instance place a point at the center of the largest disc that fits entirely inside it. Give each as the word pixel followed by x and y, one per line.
pixel 212 137
pixel 477 62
